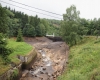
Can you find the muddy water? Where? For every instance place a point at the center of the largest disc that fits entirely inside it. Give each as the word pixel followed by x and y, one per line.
pixel 51 60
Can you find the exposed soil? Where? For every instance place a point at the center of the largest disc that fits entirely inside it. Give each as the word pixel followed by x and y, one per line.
pixel 50 62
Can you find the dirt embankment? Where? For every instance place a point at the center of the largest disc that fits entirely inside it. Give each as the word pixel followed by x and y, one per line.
pixel 51 59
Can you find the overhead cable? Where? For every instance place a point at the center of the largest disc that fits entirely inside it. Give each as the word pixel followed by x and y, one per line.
pixel 30 10
pixel 36 8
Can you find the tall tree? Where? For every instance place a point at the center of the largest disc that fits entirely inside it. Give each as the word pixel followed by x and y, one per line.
pixel 29 31
pixel 71 14
pixel 3 20
pixel 70 25
pixel 19 36
pixel 4 50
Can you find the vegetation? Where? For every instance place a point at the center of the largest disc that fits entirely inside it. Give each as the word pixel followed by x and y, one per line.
pixel 3 20
pixel 84 57
pixel 54 27
pixel 4 50
pixel 14 75
pixel 70 27
pixel 3 67
pixel 19 48
pixel 31 26
pixel 83 61
pixel 73 28
pixel 19 36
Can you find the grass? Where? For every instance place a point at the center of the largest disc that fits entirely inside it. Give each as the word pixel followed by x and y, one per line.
pixel 19 48
pixel 84 61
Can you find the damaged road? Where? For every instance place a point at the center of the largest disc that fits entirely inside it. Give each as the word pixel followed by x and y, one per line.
pixel 51 59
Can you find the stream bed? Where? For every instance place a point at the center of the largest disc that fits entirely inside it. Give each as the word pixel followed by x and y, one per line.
pixel 51 60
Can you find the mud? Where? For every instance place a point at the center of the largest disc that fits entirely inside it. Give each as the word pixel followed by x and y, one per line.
pixel 51 59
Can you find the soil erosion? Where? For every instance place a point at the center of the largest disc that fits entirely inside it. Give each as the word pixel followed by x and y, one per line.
pixel 50 62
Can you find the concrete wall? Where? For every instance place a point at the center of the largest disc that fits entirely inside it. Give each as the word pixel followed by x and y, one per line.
pixel 27 59
pixel 55 39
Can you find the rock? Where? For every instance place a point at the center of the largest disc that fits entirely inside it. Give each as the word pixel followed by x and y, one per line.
pixel 25 73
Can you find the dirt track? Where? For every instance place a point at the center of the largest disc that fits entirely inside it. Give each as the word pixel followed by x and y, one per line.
pixel 51 59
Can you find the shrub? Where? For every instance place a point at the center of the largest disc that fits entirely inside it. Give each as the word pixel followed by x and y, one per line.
pixel 19 36
pixel 4 51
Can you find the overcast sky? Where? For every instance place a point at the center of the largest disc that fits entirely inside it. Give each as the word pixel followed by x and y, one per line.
pixel 89 9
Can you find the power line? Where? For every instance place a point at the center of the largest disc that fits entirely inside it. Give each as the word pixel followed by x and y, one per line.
pixel 30 10
pixel 36 8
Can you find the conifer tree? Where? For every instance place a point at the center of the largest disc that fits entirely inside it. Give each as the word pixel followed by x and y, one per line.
pixel 19 36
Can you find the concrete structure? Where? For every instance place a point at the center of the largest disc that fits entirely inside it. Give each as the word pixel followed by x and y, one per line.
pixel 50 35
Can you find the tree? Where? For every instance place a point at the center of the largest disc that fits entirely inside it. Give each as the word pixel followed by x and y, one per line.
pixel 19 36
pixel 84 26
pixel 42 29
pixel 10 20
pixel 71 14
pixel 38 31
pixel 70 26
pixel 24 20
pixel 29 31
pixel 3 20
pixel 97 28
pixel 45 23
pixel 4 50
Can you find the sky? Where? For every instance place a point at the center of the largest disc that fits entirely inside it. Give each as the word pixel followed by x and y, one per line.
pixel 89 9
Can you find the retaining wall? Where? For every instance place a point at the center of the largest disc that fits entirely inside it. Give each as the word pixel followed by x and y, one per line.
pixel 27 59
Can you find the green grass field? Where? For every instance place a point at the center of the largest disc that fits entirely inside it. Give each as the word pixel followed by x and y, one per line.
pixel 19 48
pixel 84 61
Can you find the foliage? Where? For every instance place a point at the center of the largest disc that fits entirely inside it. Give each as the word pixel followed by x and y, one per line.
pixel 71 14
pixel 70 26
pixel 4 50
pixel 19 48
pixel 19 36
pixel 3 20
pixel 14 75
pixel 83 61
pixel 29 30
pixel 31 26
pixel 3 67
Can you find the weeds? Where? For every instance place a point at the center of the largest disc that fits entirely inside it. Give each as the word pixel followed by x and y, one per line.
pixel 83 61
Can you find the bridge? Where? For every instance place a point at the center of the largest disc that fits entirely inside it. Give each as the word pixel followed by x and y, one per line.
pixel 54 38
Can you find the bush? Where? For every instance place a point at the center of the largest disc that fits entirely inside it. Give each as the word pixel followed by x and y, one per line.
pixel 4 51
pixel 14 75
pixel 19 36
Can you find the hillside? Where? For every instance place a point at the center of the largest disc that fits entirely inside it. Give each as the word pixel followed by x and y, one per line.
pixel 83 61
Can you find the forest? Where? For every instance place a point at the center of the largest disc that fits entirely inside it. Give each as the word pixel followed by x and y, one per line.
pixel 32 26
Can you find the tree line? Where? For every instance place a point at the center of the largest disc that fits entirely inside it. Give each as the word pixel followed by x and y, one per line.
pixel 31 26
pixel 73 28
